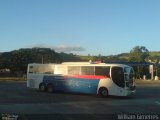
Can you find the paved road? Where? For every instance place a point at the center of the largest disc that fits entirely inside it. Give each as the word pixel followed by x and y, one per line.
pixel 15 98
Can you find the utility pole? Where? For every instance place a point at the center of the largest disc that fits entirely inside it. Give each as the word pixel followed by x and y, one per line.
pixel 42 59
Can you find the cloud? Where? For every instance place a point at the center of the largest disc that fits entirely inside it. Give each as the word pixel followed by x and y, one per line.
pixel 62 48
pixel 66 48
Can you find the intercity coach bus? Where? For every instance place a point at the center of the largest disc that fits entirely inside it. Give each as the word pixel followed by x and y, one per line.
pixel 82 77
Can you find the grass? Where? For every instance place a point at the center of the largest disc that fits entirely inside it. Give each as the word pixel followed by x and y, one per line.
pixel 12 79
pixel 156 53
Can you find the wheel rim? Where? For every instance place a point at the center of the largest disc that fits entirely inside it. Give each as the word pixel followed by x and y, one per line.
pixel 50 89
pixel 42 88
pixel 104 92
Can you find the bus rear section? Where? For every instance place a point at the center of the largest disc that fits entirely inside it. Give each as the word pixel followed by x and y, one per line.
pixel 36 72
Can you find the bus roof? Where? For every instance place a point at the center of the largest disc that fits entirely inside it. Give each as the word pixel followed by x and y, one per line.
pixel 92 64
pixel 81 63
pixel 75 63
pixel 42 64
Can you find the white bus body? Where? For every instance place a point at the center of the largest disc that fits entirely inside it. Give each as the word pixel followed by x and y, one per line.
pixel 82 77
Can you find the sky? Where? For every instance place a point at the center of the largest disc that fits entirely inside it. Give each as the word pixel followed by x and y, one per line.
pixel 94 27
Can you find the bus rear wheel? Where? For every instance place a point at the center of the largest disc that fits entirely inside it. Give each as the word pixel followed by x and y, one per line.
pixel 103 92
pixel 50 88
pixel 42 87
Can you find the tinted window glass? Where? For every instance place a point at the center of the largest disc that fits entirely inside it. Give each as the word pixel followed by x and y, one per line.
pixel 41 69
pixel 104 71
pixel 118 76
pixel 34 69
pixel 47 69
pixel 31 69
pixel 87 70
pixel 73 70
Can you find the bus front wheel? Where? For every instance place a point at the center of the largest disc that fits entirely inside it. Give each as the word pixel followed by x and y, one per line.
pixel 50 88
pixel 103 92
pixel 42 87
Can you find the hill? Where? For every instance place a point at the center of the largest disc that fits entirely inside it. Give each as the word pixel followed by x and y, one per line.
pixel 155 54
pixel 18 60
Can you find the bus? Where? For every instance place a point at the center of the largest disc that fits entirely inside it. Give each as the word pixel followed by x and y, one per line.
pixel 83 77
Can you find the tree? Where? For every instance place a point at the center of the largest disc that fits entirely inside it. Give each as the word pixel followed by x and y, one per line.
pixel 139 54
pixel 18 60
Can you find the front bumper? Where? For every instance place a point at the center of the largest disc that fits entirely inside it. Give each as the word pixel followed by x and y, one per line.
pixel 130 91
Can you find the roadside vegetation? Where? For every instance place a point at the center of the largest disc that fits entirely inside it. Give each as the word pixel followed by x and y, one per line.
pixel 14 64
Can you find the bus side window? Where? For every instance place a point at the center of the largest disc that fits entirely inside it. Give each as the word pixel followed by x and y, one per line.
pixel 47 70
pixel 104 71
pixel 35 69
pixel 73 70
pixel 87 70
pixel 31 69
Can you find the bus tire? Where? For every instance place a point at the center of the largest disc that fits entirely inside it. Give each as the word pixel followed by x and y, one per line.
pixel 103 92
pixel 50 88
pixel 42 87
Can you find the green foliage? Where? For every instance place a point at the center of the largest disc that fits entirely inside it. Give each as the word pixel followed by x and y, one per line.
pixel 139 54
pixel 154 54
pixel 140 71
pixel 69 57
pixel 18 60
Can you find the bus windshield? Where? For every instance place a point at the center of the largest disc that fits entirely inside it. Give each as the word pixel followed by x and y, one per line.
pixel 129 73
pixel 118 76
pixel 123 77
pixel 129 76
